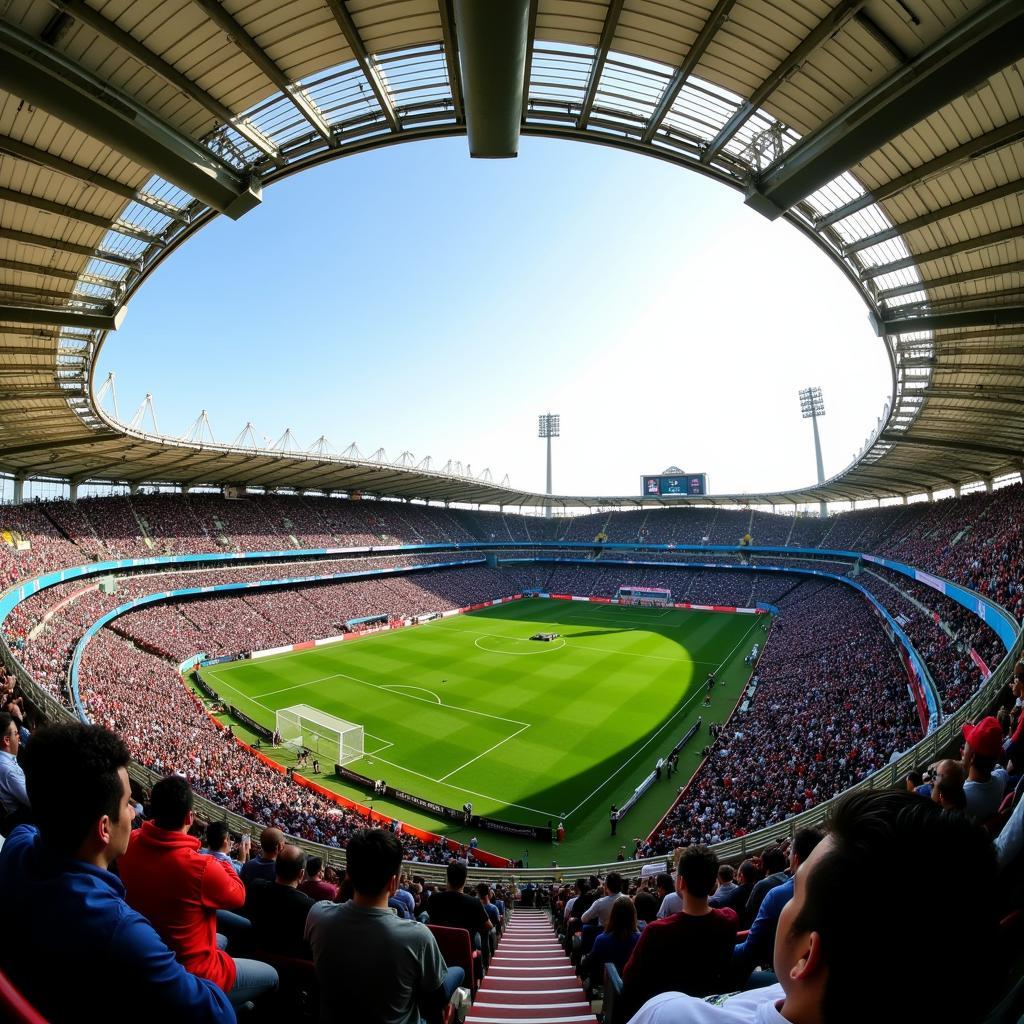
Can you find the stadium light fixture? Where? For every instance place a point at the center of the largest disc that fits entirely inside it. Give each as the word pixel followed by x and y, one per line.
pixel 549 425
pixel 812 405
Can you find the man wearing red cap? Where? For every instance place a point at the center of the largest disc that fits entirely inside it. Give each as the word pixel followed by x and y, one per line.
pixel 986 783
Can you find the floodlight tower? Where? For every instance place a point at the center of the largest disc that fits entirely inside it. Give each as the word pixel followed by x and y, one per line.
pixel 549 426
pixel 812 405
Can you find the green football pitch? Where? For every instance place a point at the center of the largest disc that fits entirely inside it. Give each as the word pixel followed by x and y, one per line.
pixel 470 708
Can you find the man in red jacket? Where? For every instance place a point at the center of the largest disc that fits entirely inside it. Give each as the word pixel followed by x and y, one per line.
pixel 168 881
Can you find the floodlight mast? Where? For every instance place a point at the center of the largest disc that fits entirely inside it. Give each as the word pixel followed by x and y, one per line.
pixel 812 405
pixel 549 426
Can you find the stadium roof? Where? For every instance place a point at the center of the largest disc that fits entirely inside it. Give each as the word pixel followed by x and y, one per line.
pixel 889 131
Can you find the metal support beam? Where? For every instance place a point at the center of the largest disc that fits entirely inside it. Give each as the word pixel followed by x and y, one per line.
pixel 81 11
pixel 62 317
pixel 23 151
pixel 982 44
pixel 683 72
pixel 994 317
pixel 531 38
pixel 990 142
pixel 943 213
pixel 611 23
pixel 63 275
pixel 829 25
pixel 952 444
pixel 61 442
pixel 31 294
pixel 57 245
pixel 48 79
pixel 953 279
pixel 493 42
pixel 369 70
pixel 302 103
pixel 82 216
pixel 967 245
pixel 451 56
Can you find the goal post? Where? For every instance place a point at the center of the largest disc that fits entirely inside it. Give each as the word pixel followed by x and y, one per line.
pixel 644 597
pixel 328 736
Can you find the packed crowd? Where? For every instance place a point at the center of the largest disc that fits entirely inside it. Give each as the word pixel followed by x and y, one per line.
pixel 827 705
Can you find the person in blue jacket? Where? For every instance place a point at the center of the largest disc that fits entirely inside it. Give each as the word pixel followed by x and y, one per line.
pixel 78 941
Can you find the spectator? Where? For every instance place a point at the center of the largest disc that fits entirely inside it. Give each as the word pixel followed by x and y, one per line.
pixel 314 884
pixel 278 910
pixel 263 866
pixel 615 944
pixel 690 951
pixel 218 843
pixel 725 886
pixel 986 783
pixel 737 899
pixel 14 803
pixel 600 910
pixel 757 947
pixel 69 907
pixel 773 862
pixel 452 908
pixel 947 787
pixel 180 891
pixel 373 967
pixel 827 947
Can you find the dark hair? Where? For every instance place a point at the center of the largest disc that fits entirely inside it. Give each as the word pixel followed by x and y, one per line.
pixel 170 802
pixel 483 890
pixel 725 873
pixel 804 842
pixel 663 880
pixel 613 881
pixel 748 871
pixel 985 763
pixel 456 874
pixel 698 868
pixel 915 779
pixel 372 856
pixel 216 833
pixel 290 862
pixel 5 724
pixel 71 774
pixel 878 841
pixel 313 866
pixel 621 918
pixel 646 904
pixel 581 885
pixel 774 860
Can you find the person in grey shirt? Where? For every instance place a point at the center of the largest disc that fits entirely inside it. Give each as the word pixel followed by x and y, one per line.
pixel 372 966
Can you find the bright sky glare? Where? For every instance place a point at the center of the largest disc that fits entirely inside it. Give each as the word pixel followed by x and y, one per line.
pixel 414 299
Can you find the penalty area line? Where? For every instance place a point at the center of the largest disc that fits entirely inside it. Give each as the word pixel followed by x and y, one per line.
pixel 483 753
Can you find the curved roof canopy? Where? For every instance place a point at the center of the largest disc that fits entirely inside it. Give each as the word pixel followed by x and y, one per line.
pixel 889 131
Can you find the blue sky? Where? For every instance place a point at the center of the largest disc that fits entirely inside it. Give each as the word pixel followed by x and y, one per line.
pixel 418 300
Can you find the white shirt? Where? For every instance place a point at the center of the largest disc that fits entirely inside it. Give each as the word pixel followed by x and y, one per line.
pixel 600 910
pixel 755 1007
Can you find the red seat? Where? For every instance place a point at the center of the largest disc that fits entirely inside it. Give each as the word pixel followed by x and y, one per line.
pixel 15 1007
pixel 457 949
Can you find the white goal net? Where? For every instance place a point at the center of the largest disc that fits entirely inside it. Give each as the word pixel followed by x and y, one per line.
pixel 329 738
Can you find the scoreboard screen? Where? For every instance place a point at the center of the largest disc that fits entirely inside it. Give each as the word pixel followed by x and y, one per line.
pixel 685 483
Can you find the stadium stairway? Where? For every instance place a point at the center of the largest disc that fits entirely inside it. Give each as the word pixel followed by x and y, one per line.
pixel 530 979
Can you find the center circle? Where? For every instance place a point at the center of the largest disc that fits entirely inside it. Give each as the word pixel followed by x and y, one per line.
pixel 517 645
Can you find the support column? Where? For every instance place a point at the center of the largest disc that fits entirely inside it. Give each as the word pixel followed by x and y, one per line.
pixel 73 490
pixel 931 493
pixel 19 488
pixel 133 488
pixel 903 499
pixel 958 489
pixel 989 484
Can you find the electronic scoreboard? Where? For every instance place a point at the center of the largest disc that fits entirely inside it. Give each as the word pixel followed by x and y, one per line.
pixel 678 483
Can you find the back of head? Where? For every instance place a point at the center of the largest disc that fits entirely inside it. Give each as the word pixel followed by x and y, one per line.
pixel 698 868
pixel 290 863
pixel 456 874
pixel 483 890
pixel 216 833
pixel 622 919
pixel 725 874
pixel 747 873
pixel 271 840
pixel 804 842
pixel 372 856
pixel 943 868
pixel 774 860
pixel 170 802
pixel 314 865
pixel 71 773
pixel 614 882
pixel 664 881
